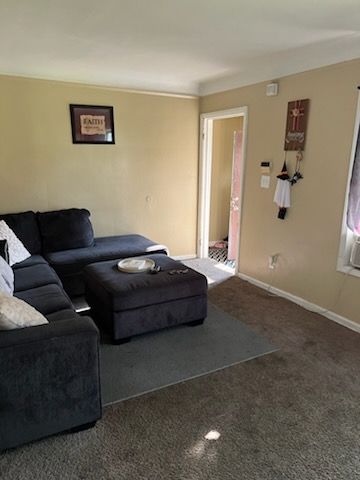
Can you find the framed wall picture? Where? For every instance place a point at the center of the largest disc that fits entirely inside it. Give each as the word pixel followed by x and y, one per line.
pixel 296 123
pixel 92 124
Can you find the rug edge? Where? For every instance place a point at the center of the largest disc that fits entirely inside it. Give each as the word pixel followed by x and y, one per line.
pixel 109 404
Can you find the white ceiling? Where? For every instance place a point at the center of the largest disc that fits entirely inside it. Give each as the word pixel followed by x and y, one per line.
pixel 178 46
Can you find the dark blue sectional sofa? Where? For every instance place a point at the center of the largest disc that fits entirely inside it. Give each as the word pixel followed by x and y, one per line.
pixel 49 374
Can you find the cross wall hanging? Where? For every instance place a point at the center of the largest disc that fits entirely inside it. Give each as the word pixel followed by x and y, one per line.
pixel 295 136
pixel 296 123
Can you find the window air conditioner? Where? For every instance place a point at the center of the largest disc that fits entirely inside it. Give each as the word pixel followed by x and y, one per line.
pixel 355 254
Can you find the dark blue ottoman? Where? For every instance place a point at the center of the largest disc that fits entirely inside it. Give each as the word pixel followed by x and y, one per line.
pixel 129 304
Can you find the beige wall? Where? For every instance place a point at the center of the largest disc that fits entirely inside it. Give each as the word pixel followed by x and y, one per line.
pixel 222 155
pixel 308 239
pixel 146 183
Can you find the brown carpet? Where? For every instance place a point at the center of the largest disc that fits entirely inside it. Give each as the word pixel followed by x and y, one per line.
pixel 293 414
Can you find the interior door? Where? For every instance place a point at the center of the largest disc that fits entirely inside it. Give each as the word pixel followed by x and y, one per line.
pixel 234 218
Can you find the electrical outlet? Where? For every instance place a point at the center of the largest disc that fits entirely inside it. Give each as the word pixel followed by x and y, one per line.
pixel 273 261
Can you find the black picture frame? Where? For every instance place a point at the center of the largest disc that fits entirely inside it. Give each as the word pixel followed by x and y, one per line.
pixel 98 130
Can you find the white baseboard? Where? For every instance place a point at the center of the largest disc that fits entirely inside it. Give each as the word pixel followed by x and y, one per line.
pixel 183 257
pixel 345 322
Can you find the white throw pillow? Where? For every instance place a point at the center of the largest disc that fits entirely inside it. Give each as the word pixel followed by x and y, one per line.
pixel 6 277
pixel 15 313
pixel 17 251
pixel 4 287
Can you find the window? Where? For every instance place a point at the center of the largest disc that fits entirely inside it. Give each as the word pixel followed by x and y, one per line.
pixel 351 218
pixel 353 211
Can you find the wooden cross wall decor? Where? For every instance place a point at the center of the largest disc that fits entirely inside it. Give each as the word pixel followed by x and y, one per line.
pixel 297 116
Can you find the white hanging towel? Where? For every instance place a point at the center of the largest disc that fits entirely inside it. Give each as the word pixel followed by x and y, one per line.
pixel 282 193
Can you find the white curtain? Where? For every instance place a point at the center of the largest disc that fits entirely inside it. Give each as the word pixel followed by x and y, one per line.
pixel 353 213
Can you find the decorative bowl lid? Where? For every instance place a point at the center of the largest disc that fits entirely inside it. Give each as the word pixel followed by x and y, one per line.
pixel 135 265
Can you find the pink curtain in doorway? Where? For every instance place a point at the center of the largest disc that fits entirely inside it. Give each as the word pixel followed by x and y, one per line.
pixel 234 221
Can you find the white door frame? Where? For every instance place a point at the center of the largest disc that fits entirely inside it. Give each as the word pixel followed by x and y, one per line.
pixel 206 140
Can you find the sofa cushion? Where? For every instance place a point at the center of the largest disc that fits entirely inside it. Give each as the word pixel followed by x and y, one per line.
pixel 15 313
pixel 46 299
pixel 69 262
pixel 25 227
pixel 29 262
pixel 34 276
pixel 66 314
pixel 65 229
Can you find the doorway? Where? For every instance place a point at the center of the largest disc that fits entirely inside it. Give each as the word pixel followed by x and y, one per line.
pixel 223 138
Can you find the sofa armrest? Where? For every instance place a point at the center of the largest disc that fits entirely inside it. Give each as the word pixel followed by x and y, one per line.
pixel 48 332
pixel 49 379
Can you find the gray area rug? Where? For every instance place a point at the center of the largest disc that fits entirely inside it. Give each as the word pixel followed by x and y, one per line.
pixel 156 360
